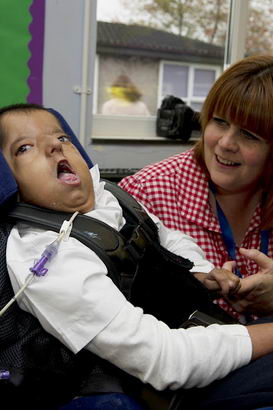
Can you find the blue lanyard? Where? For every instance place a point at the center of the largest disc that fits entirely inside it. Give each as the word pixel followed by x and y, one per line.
pixel 229 240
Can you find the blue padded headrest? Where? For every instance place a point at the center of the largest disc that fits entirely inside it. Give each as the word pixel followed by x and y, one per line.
pixel 8 186
pixel 75 140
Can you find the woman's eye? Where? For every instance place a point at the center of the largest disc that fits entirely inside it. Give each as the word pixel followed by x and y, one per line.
pixel 220 121
pixel 64 138
pixel 23 148
pixel 249 135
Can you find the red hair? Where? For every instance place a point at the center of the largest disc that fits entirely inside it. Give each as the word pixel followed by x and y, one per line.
pixel 243 95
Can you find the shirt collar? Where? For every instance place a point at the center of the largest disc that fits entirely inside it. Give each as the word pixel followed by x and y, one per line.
pixel 107 208
pixel 195 206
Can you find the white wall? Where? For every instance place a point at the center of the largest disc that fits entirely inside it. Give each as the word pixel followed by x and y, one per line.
pixel 63 59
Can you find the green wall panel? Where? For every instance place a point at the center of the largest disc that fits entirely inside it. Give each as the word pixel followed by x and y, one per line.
pixel 15 19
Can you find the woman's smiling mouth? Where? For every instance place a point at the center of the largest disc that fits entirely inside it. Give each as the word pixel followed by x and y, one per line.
pixel 226 162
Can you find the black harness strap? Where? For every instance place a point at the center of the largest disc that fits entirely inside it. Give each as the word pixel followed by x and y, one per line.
pixel 87 230
pixel 119 253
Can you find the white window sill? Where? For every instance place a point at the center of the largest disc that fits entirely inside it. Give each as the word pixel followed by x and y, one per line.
pixel 130 128
pixel 126 139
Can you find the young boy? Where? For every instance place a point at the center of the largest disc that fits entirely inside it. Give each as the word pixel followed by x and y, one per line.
pixel 76 301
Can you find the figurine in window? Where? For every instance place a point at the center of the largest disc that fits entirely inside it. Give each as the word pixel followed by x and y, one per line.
pixel 125 99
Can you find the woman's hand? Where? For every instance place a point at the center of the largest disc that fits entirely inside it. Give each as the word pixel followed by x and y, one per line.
pixel 256 292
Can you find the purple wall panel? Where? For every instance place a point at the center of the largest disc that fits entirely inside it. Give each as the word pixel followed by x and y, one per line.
pixel 36 47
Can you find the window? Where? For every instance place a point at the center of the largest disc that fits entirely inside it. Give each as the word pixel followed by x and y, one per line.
pixel 157 61
pixel 189 82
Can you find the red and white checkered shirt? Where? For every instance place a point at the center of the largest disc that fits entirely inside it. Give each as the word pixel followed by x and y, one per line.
pixel 176 190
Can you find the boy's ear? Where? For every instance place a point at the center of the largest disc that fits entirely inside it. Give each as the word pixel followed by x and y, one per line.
pixel 8 185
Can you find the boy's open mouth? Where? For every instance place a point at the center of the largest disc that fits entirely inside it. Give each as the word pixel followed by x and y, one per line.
pixel 65 173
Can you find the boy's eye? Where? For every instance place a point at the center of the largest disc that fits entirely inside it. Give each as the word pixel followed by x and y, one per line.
pixel 64 138
pixel 23 148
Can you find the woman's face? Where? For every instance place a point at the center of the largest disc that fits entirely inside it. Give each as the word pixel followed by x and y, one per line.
pixel 235 157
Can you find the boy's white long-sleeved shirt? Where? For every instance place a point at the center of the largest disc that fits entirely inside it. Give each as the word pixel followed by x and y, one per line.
pixel 79 304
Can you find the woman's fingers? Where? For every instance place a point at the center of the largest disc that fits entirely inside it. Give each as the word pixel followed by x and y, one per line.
pixel 263 261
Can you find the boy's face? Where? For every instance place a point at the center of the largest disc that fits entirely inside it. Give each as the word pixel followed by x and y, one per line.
pixel 49 170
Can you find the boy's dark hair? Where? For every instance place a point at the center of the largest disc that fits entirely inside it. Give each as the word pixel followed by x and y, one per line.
pixel 19 107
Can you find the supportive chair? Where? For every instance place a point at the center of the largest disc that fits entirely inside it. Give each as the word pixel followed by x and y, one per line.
pixel 22 339
pixel 21 336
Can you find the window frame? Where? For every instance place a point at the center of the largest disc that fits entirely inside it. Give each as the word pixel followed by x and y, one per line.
pixel 234 50
pixel 192 66
pixel 107 127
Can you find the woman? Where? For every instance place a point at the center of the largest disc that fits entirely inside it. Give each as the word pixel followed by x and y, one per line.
pixel 221 192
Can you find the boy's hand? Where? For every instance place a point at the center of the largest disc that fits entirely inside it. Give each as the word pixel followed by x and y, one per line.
pixel 222 280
